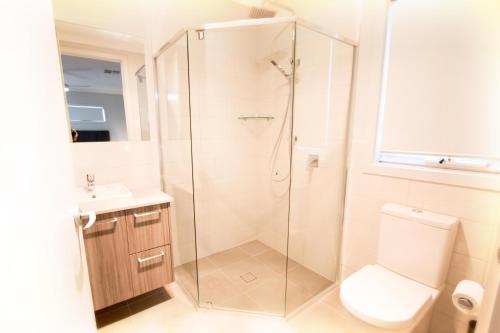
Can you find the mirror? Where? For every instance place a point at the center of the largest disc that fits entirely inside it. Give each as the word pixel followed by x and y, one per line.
pixel 94 98
pixel 105 84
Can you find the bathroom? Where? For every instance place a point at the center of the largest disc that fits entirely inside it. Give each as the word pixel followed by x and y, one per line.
pixel 261 166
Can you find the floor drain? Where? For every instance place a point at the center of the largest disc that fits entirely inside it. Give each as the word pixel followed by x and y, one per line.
pixel 248 277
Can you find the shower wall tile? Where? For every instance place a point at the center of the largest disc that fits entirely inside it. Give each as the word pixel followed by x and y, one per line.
pixel 235 199
pixel 223 76
pixel 320 111
pixel 174 125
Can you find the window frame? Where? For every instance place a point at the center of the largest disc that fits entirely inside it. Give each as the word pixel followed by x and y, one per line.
pixel 431 160
pixel 362 152
pixel 103 113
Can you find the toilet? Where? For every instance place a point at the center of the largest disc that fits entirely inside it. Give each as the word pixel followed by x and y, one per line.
pixel 399 291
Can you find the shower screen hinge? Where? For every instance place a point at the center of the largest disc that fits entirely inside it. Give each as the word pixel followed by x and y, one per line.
pixel 201 34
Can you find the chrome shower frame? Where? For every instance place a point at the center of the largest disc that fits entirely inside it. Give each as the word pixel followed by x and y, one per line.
pixel 201 31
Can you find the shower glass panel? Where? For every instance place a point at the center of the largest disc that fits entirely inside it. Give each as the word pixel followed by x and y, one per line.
pixel 176 167
pixel 320 127
pixel 240 105
pixel 254 133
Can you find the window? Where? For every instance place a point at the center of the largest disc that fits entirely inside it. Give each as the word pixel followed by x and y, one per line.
pixel 440 96
pixel 90 114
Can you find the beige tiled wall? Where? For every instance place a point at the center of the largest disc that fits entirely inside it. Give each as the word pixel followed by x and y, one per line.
pixel 322 87
pixel 478 210
pixel 222 76
pixel 173 112
pixel 129 162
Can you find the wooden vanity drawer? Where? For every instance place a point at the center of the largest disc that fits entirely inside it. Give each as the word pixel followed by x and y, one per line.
pixel 151 269
pixel 147 228
pixel 108 260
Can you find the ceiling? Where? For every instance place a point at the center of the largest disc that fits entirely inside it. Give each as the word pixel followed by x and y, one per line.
pixel 88 75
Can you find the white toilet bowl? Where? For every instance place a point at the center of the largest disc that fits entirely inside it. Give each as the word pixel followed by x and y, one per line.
pixel 412 263
pixel 386 299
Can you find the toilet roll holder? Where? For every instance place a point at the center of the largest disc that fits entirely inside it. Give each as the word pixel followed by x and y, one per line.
pixel 465 302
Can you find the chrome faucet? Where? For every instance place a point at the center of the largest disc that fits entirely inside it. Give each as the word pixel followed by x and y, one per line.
pixel 90 182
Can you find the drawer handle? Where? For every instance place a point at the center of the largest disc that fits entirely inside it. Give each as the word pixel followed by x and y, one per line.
pixel 141 260
pixel 136 215
pixel 114 220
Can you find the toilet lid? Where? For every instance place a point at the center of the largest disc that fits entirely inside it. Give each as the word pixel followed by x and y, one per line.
pixel 383 298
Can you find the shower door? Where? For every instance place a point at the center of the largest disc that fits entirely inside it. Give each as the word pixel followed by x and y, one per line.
pixel 254 136
pixel 172 80
pixel 320 129
pixel 240 103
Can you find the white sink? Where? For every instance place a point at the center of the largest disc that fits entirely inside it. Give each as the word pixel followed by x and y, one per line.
pixel 103 192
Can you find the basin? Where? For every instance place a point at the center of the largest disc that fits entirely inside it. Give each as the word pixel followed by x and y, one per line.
pixel 103 192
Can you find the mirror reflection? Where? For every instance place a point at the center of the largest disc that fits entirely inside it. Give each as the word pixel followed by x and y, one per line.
pixel 94 96
pixel 105 84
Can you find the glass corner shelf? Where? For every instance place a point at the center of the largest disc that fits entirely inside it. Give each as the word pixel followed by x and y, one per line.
pixel 256 117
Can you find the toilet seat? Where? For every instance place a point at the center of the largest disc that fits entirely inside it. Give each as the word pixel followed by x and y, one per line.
pixel 385 299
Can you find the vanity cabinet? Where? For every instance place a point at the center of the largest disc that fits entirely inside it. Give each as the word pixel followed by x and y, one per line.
pixel 128 253
pixel 147 228
pixel 106 248
pixel 150 269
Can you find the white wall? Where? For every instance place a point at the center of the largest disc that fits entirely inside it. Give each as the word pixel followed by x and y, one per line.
pixel 128 162
pixel 43 272
pixel 170 16
pixel 321 116
pixel 123 16
pixel 322 88
pixel 273 43
pixel 478 210
pixel 222 88
pixel 223 76
pixel 173 112
pixel 488 319
pixel 334 16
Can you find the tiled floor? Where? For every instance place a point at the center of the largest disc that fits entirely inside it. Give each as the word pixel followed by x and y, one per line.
pixel 130 307
pixel 251 277
pixel 178 315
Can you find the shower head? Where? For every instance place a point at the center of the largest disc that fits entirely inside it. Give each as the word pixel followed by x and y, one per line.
pixel 281 69
pixel 258 12
pixel 266 8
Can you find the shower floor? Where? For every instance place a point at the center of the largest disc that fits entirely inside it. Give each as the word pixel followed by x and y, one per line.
pixel 251 277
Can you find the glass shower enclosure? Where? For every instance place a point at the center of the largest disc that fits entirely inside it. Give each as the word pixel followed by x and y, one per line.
pixel 253 122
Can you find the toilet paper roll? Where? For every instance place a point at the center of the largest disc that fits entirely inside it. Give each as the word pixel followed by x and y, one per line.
pixel 468 296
